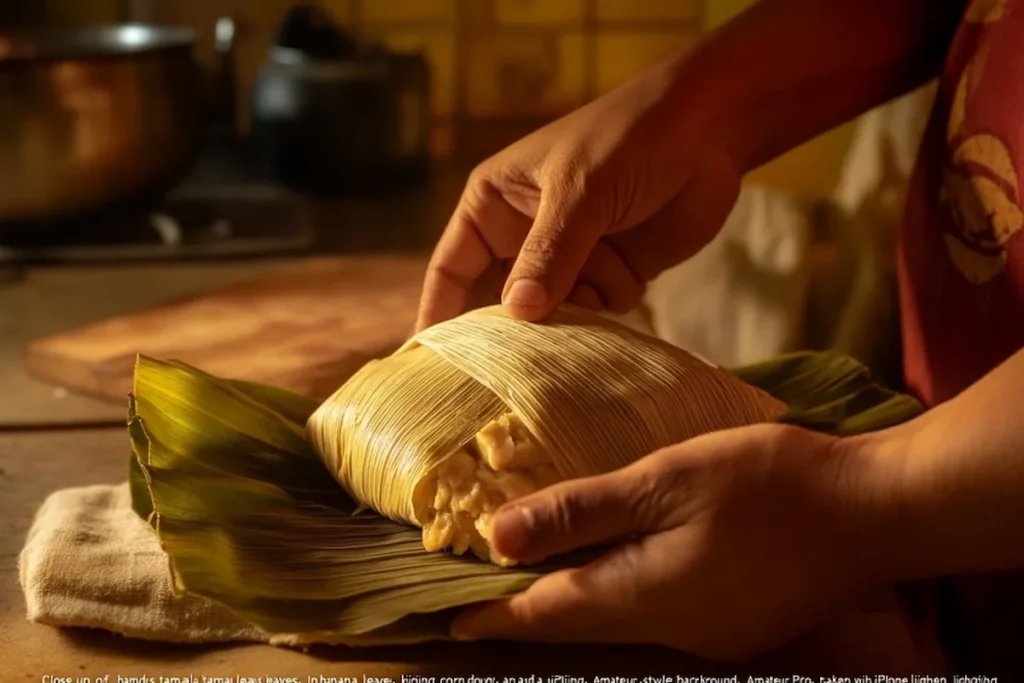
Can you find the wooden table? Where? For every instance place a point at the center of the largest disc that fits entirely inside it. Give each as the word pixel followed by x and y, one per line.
pixel 44 301
pixel 35 463
pixel 44 446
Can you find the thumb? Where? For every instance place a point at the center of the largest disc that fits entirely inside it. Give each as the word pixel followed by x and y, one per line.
pixel 575 514
pixel 554 252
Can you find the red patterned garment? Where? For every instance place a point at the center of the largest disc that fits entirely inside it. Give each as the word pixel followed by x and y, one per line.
pixel 962 272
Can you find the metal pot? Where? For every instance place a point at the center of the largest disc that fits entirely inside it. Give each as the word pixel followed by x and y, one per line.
pixel 93 117
pixel 332 112
pixel 326 127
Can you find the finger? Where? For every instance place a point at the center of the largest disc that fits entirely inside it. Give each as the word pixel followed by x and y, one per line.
pixel 460 257
pixel 483 229
pixel 683 226
pixel 619 288
pixel 562 237
pixel 577 514
pixel 585 296
pixel 596 603
pixel 486 290
pixel 606 283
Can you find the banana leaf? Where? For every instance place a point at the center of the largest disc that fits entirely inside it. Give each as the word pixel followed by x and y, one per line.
pixel 251 518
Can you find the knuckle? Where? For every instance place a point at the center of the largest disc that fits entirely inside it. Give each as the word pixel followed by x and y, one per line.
pixel 651 497
pixel 545 246
pixel 526 612
pixel 540 250
pixel 618 570
pixel 484 182
pixel 577 180
pixel 662 488
pixel 474 194
pixel 563 515
pixel 572 176
pixel 481 173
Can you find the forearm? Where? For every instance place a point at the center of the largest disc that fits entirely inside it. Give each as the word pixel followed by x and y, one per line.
pixel 788 70
pixel 957 478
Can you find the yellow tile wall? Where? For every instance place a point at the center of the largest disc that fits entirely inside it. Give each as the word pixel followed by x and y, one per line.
pixel 717 12
pixel 490 59
pixel 408 10
pixel 524 74
pixel 649 10
pixel 438 46
pixel 511 64
pixel 539 12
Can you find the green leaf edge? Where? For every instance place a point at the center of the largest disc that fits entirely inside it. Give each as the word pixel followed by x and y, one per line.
pixel 825 391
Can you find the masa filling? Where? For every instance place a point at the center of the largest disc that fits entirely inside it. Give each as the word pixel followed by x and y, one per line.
pixel 456 501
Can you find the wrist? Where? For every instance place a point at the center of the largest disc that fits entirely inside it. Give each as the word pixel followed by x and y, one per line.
pixel 698 109
pixel 876 484
pixel 714 101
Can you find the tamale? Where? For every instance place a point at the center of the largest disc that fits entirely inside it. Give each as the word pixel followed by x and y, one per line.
pixel 249 515
pixel 477 411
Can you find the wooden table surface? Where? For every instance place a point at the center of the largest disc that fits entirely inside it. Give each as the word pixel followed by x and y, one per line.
pixel 44 301
pixel 34 464
pixel 44 447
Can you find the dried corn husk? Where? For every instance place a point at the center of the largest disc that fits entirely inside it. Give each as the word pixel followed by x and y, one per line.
pixel 251 517
pixel 595 394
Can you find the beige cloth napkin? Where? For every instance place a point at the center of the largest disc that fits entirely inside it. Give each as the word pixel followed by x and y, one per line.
pixel 742 298
pixel 90 561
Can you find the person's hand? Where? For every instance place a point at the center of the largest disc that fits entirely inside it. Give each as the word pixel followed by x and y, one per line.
pixel 730 544
pixel 587 209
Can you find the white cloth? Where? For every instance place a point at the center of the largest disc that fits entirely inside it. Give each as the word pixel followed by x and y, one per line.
pixel 897 125
pixel 90 561
pixel 741 299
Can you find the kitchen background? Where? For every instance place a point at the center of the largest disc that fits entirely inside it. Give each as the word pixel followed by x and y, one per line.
pixel 804 261
pixel 499 67
pixel 266 218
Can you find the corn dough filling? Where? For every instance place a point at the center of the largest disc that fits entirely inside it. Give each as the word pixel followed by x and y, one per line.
pixel 457 499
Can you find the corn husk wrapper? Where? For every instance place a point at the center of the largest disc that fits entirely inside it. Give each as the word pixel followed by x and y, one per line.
pixel 251 517
pixel 595 394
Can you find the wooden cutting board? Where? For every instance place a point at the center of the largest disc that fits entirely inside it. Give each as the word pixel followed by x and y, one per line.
pixel 306 329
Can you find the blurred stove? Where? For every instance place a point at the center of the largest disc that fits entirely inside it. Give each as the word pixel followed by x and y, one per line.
pixel 222 211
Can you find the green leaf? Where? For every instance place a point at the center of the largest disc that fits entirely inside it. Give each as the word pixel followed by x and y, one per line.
pixel 251 518
pixel 830 392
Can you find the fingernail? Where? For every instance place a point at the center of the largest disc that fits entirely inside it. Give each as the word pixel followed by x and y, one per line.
pixel 527 293
pixel 511 530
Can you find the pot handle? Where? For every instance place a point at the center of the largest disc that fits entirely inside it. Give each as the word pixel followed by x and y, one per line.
pixel 225 88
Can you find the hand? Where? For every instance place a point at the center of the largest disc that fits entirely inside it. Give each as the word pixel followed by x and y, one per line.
pixel 731 544
pixel 589 208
